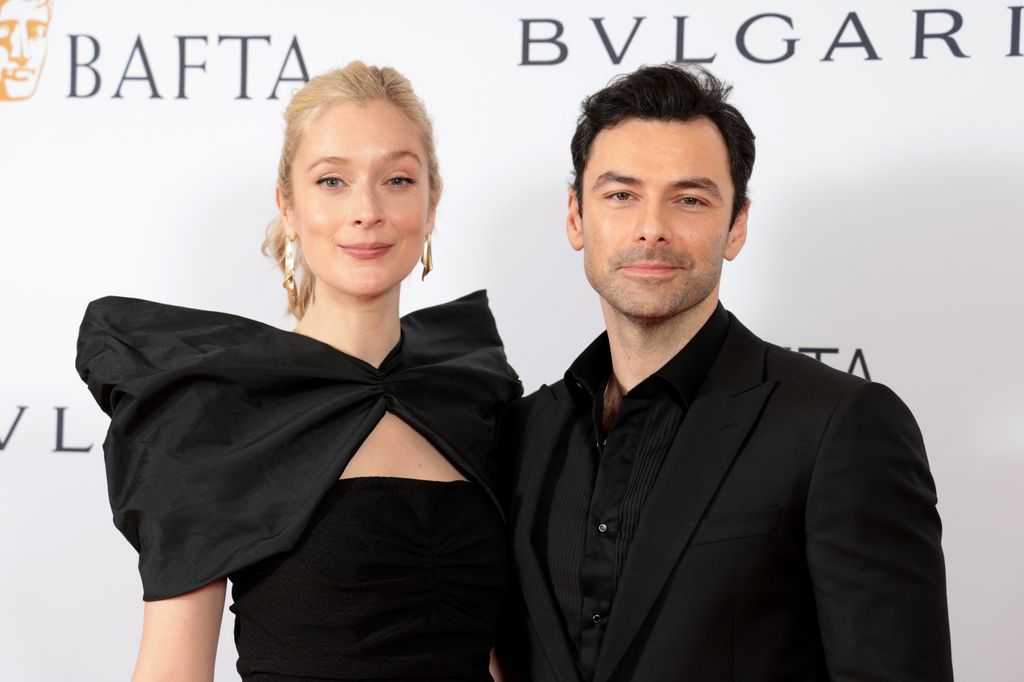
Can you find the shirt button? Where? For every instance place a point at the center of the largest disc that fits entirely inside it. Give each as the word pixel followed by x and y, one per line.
pixel 596 618
pixel 602 528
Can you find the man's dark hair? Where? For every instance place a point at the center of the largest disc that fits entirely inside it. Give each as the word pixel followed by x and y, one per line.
pixel 666 93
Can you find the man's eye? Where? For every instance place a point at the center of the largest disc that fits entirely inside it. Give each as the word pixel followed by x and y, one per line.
pixel 692 201
pixel 621 196
pixel 36 29
pixel 330 183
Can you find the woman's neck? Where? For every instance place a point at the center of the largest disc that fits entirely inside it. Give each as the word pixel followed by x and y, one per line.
pixel 363 327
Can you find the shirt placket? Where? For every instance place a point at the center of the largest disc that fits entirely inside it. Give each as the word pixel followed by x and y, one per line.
pixel 597 578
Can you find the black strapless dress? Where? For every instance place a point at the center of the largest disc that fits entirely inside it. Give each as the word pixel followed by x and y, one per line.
pixel 393 579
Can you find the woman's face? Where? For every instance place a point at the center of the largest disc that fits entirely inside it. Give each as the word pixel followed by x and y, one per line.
pixel 360 199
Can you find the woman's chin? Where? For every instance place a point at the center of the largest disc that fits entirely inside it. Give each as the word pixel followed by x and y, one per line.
pixel 366 287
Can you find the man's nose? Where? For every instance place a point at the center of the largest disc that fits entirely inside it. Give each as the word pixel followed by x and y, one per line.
pixel 651 225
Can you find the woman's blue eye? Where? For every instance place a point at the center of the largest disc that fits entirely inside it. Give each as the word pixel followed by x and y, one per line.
pixel 401 180
pixel 330 183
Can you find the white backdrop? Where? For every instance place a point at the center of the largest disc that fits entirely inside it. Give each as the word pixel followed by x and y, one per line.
pixel 886 217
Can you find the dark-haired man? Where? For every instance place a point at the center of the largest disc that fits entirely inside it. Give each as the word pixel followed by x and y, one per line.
pixel 690 502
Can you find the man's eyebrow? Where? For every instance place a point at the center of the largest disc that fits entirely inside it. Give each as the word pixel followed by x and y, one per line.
pixel 390 156
pixel 615 177
pixel 706 184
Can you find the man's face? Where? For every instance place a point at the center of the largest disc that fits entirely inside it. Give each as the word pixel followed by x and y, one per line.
pixel 23 29
pixel 657 200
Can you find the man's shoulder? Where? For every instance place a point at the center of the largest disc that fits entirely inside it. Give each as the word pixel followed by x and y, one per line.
pixel 785 364
pixel 546 392
pixel 788 367
pixel 805 386
pixel 517 414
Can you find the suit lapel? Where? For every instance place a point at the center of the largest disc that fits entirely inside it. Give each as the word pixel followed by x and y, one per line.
pixel 541 434
pixel 728 405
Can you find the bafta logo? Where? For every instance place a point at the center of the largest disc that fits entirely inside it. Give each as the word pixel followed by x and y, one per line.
pixel 23 28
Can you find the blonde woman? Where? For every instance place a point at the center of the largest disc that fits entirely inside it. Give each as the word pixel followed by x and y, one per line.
pixel 340 475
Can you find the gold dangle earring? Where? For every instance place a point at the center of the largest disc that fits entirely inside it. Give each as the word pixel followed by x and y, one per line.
pixel 427 258
pixel 289 266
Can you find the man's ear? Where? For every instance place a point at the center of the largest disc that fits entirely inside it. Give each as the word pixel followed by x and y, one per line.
pixel 738 232
pixel 574 222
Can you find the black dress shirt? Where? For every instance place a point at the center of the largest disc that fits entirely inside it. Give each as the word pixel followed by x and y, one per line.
pixel 596 491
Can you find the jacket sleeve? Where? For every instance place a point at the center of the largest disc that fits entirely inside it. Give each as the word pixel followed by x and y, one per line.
pixel 874 545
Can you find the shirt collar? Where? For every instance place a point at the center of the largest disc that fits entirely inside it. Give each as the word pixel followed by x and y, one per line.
pixel 682 374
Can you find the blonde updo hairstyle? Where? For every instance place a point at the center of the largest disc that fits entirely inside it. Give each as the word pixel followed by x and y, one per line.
pixel 362 84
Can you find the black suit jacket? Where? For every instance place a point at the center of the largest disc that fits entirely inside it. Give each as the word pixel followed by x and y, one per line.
pixel 791 535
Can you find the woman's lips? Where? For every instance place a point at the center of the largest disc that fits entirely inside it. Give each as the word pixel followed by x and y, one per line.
pixel 366 251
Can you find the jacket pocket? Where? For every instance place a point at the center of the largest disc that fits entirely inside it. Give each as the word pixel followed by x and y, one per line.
pixel 736 526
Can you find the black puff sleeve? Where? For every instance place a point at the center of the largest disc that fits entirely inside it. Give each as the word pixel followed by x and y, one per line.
pixel 226 432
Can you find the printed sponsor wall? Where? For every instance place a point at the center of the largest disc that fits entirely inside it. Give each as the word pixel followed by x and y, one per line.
pixel 138 148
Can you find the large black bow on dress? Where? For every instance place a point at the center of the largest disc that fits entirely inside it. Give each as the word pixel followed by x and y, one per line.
pixel 226 432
